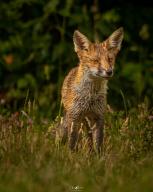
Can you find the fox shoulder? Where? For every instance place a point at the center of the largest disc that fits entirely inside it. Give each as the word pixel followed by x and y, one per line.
pixel 69 79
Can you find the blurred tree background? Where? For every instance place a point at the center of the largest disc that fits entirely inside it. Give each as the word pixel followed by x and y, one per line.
pixel 36 49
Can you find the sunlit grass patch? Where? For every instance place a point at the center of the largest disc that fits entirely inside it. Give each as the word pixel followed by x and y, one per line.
pixel 31 160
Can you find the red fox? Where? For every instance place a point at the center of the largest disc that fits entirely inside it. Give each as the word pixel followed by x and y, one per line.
pixel 85 88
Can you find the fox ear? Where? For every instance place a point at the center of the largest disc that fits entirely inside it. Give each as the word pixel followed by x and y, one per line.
pixel 115 40
pixel 81 42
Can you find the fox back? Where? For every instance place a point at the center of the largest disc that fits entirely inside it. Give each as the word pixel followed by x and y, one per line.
pixel 85 87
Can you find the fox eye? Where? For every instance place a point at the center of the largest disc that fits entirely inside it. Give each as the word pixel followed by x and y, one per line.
pixel 110 59
pixel 95 60
pixel 86 50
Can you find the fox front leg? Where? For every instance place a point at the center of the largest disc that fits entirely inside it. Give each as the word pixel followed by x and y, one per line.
pixel 98 134
pixel 73 135
pixel 64 130
pixel 87 126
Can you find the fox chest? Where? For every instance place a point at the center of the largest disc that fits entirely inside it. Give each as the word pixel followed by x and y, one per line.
pixel 90 99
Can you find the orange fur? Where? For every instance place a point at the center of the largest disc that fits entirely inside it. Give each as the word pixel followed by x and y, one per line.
pixel 85 87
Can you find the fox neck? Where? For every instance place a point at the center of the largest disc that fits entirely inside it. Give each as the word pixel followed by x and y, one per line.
pixel 84 81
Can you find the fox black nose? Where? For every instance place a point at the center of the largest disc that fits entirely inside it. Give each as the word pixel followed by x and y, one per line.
pixel 109 72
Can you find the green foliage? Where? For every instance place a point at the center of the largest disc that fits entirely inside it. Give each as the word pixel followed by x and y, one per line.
pixel 36 48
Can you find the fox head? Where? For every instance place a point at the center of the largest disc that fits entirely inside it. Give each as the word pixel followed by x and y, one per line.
pixel 98 59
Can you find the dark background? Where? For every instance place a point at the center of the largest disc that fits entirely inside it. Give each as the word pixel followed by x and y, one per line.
pixel 36 50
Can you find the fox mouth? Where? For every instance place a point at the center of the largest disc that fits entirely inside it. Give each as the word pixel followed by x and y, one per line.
pixel 104 76
pixel 101 74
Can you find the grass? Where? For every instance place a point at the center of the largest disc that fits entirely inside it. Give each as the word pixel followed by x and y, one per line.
pixel 31 161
